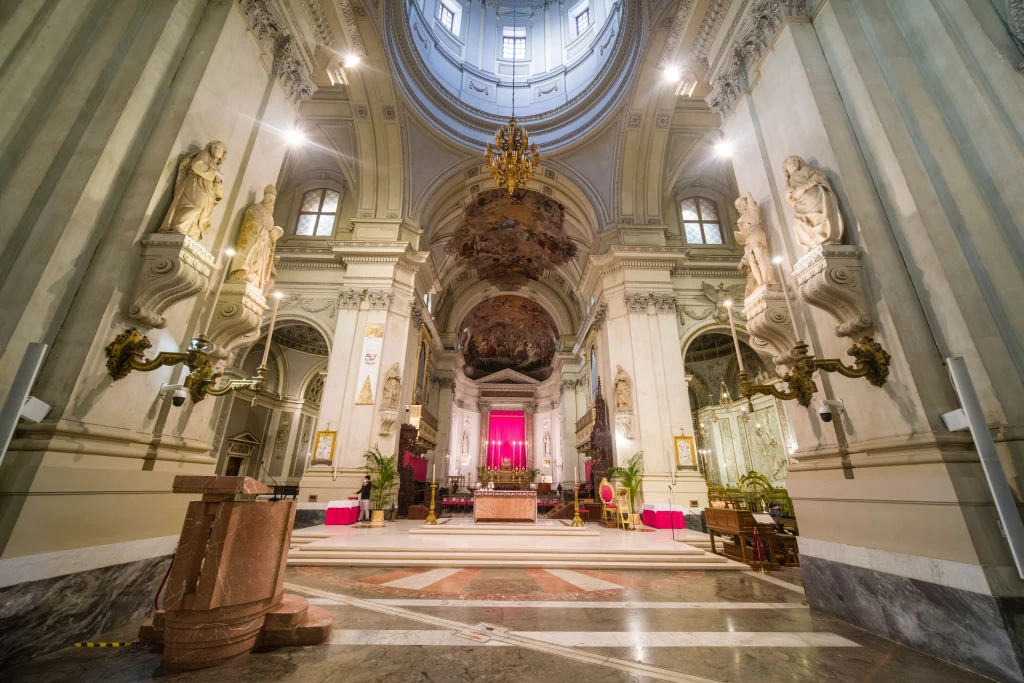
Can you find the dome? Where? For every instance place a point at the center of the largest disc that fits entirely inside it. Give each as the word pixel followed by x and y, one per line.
pixel 569 59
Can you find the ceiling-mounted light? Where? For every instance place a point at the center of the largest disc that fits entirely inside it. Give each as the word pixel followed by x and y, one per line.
pixel 723 148
pixel 294 137
pixel 352 60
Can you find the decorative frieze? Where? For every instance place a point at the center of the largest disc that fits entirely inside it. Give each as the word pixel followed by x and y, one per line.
pixel 174 267
pixel 263 19
pixel 292 71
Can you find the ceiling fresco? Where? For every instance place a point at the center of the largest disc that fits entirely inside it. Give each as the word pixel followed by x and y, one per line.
pixel 509 239
pixel 508 332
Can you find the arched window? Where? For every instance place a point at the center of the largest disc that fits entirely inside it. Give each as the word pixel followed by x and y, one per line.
pixel 318 212
pixel 700 221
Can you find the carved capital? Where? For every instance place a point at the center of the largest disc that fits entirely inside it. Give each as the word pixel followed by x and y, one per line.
pixel 174 267
pixel 530 408
pixel 636 302
pixel 349 298
pixel 829 278
pixel 378 298
pixel 769 324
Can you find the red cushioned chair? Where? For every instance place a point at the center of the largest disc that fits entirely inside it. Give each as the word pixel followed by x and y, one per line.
pixel 609 505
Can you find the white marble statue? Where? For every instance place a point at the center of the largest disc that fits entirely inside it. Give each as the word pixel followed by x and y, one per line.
pixel 253 261
pixel 817 220
pixel 392 385
pixel 623 390
pixel 756 262
pixel 197 189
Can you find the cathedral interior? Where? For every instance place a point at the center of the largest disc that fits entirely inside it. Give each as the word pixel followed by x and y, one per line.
pixel 655 339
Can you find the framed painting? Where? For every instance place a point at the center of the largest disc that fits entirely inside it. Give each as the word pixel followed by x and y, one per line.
pixel 323 448
pixel 686 452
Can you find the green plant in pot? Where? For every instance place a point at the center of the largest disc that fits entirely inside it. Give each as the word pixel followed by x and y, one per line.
pixel 383 471
pixel 630 476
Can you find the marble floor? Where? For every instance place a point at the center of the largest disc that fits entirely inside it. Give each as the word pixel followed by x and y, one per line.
pixel 542 624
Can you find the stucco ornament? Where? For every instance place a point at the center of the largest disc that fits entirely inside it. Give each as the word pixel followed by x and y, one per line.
pixel 816 217
pixel 198 188
pixel 254 258
pixel 756 262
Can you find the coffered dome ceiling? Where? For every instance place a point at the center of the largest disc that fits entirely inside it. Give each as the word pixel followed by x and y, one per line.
pixel 570 71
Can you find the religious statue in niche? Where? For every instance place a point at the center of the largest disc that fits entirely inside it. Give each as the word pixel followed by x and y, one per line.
pixel 197 189
pixel 253 261
pixel 465 444
pixel 392 384
pixel 623 391
pixel 816 217
pixel 547 444
pixel 756 263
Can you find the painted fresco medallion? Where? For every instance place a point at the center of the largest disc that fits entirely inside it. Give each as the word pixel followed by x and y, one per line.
pixel 509 239
pixel 508 332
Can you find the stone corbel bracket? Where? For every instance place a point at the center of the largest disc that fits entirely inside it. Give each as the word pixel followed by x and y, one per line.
pixel 174 267
pixel 624 423
pixel 829 278
pixel 237 320
pixel 769 324
pixel 388 417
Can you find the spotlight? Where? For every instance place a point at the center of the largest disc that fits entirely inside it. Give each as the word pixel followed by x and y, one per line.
pixel 229 252
pixel 727 303
pixel 294 137
pixel 673 74
pixel 352 61
pixel 277 295
pixel 723 149
pixel 777 260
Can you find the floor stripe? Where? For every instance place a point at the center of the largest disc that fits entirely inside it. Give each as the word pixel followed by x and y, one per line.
pixel 511 639
pixel 549 583
pixel 454 583
pixel 630 639
pixel 420 581
pixel 574 604
pixel 390 576
pixel 779 582
pixel 587 583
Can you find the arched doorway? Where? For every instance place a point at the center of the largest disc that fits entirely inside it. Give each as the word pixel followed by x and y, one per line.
pixel 735 436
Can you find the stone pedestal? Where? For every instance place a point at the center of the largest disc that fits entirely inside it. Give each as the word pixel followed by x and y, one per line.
pixel 769 322
pixel 238 318
pixel 174 267
pixel 224 592
pixel 829 278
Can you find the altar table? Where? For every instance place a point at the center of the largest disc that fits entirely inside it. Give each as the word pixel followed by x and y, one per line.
pixel 505 506
pixel 663 516
pixel 342 512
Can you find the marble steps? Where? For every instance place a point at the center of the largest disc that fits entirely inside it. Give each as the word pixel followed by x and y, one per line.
pixel 450 561
pixel 492 531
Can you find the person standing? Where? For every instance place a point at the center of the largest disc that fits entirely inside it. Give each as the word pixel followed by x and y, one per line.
pixel 364 500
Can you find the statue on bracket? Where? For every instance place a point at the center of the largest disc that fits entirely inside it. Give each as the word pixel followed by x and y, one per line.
pixel 197 189
pixel 817 220
pixel 756 263
pixel 253 261
pixel 392 385
pixel 623 391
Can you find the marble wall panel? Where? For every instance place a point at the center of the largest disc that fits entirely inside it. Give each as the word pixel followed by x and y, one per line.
pixel 37 617
pixel 976 631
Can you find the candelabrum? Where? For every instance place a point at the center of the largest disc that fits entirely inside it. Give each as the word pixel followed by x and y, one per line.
pixel 126 353
pixel 431 518
pixel 871 361
pixel 576 519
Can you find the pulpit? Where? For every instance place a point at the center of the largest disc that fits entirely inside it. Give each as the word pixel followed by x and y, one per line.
pixel 224 593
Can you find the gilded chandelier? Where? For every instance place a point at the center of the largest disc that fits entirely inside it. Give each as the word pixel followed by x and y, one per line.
pixel 513 158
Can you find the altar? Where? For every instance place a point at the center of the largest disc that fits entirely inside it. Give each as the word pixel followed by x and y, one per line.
pixel 505 506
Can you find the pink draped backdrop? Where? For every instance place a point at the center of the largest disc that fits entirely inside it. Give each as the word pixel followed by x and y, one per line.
pixel 506 439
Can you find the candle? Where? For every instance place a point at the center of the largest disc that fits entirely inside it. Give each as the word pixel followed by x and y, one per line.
pixel 576 473
pixel 270 332
pixel 222 277
pixel 785 292
pixel 735 339
pixel 433 473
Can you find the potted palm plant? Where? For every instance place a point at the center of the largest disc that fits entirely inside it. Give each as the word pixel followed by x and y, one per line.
pixel 630 476
pixel 383 471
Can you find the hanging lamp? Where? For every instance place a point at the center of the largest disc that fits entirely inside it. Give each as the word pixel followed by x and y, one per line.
pixel 512 159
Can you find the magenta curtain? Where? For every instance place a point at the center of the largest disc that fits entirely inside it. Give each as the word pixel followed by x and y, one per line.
pixel 506 439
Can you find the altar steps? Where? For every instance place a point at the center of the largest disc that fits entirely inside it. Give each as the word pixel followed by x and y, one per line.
pixel 683 558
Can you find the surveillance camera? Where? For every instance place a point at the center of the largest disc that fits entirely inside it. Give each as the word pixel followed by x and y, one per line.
pixel 177 392
pixel 826 409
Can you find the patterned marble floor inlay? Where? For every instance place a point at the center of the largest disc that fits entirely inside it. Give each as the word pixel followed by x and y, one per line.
pixel 583 581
